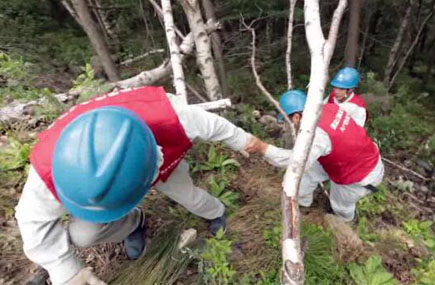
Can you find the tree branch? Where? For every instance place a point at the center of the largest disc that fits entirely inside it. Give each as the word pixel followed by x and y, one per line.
pixel 263 89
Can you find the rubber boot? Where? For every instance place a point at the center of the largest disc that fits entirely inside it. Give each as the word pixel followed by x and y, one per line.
pixel 135 243
pixel 216 224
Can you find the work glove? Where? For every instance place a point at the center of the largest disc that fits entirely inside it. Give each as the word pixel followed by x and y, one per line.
pixel 85 277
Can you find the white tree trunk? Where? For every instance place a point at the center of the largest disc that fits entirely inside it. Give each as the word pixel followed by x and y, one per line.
pixel 203 49
pixel 149 77
pixel 321 53
pixel 289 44
pixel 177 68
pixel 216 45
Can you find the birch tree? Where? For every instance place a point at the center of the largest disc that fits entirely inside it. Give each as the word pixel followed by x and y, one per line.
pixel 97 40
pixel 289 44
pixel 174 49
pixel 203 50
pixel 321 51
pixel 216 44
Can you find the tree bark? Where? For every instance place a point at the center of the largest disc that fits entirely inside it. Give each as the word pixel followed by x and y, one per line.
pixel 321 53
pixel 106 25
pixel 351 50
pixel 364 41
pixel 174 49
pixel 217 46
pixel 289 44
pixel 392 59
pixel 411 48
pixel 203 51
pixel 72 12
pixel 97 40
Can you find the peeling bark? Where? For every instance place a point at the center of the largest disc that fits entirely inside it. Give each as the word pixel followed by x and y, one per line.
pixel 203 50
pixel 216 45
pixel 177 68
pixel 321 51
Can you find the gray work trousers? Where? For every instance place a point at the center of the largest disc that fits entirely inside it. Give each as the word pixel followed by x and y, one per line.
pixel 179 187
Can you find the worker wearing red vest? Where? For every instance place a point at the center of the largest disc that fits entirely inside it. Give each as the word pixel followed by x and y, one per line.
pixel 98 160
pixel 344 83
pixel 341 152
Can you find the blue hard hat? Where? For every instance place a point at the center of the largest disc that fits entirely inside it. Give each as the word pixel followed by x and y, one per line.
pixel 292 101
pixel 346 78
pixel 104 163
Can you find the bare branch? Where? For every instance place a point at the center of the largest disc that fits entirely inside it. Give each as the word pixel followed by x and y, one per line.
pixel 411 48
pixel 131 60
pixel 405 169
pixel 262 88
pixel 333 30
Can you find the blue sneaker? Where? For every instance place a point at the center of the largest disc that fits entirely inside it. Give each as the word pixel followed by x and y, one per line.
pixel 135 243
pixel 216 224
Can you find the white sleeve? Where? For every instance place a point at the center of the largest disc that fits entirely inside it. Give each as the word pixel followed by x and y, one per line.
pixel 203 125
pixel 280 157
pixel 357 113
pixel 45 240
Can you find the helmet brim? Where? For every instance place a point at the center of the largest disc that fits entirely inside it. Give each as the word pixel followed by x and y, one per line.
pixel 96 215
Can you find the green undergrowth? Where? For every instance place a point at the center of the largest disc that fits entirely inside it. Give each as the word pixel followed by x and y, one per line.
pixel 163 262
pixel 372 272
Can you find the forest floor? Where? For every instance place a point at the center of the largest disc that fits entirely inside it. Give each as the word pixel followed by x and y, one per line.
pixel 392 234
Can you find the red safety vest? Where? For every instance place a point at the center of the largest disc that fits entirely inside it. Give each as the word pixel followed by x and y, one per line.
pixel 149 103
pixel 353 155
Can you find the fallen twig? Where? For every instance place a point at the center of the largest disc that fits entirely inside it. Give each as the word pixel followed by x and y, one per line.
pixel 406 169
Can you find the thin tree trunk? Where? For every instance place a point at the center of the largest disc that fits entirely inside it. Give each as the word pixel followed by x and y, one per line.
pixel 410 49
pixel 289 44
pixel 72 12
pixel 396 46
pixel 365 37
pixel 97 14
pixel 321 53
pixel 159 11
pixel 177 67
pixel 203 50
pixel 217 46
pixel 97 40
pixel 106 23
pixel 351 50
